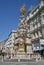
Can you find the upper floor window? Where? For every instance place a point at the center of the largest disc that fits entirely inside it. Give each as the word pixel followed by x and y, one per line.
pixel 43 16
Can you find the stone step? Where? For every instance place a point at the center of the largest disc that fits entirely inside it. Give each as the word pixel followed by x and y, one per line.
pixel 20 60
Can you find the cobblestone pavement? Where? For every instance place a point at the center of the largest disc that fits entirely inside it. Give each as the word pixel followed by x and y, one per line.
pixel 22 63
pixel 8 63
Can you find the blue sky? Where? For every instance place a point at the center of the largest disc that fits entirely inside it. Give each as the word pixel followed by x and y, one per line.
pixel 9 15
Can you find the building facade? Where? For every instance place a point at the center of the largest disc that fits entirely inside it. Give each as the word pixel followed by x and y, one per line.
pixel 9 43
pixel 35 20
pixel 1 45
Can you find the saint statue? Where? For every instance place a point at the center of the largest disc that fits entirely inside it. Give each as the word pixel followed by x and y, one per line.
pixel 22 10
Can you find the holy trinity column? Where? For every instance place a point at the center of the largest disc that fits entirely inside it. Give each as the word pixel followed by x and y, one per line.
pixel 23 38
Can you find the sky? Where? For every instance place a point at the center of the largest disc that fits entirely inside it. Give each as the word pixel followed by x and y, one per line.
pixel 10 14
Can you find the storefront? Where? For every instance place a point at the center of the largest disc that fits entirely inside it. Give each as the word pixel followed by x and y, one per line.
pixel 37 48
pixel 42 45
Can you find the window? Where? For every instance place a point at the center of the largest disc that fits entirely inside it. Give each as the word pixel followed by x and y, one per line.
pixel 38 24
pixel 43 16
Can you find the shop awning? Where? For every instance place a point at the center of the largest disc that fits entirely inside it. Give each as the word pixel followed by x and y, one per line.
pixel 37 47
